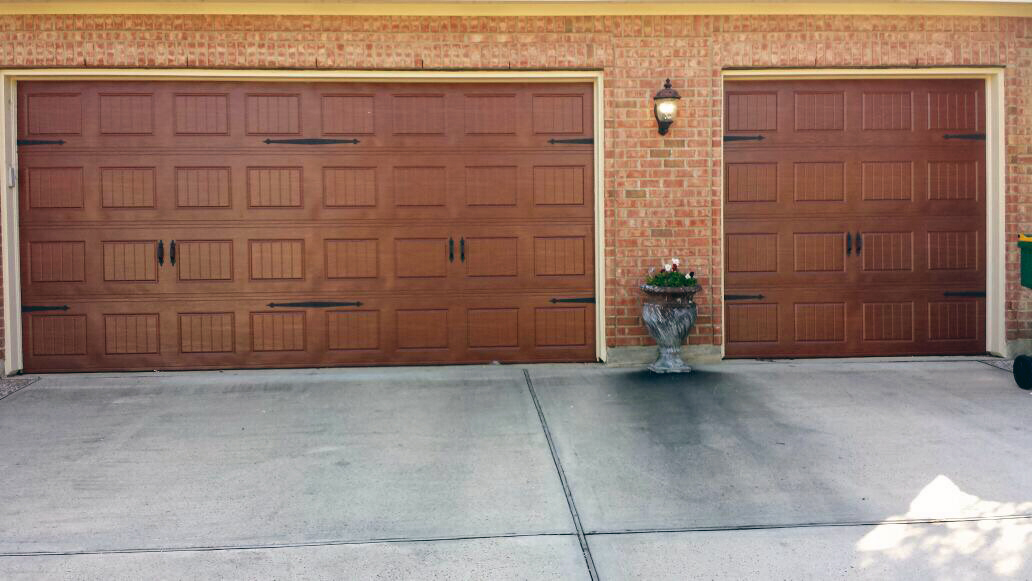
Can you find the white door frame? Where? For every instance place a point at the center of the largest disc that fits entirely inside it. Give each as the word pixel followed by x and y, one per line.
pixel 995 165
pixel 9 234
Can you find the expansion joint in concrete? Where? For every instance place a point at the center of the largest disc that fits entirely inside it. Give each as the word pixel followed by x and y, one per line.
pixel 588 560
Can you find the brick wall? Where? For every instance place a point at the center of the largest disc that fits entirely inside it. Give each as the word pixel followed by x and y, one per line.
pixel 662 194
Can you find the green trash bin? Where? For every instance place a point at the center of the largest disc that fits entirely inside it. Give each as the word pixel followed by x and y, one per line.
pixel 1023 363
pixel 1025 244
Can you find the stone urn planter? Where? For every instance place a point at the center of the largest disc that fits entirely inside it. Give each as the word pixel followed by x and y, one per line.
pixel 669 313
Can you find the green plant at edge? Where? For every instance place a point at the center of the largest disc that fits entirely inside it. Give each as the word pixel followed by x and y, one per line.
pixel 669 278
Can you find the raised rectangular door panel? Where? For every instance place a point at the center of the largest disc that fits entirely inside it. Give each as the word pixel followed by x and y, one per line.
pixel 127 113
pixel 197 225
pixel 55 187
pixel 131 334
pixel 207 332
pixel 203 187
pixel 57 335
pixel 855 217
pixel 130 261
pixel 205 260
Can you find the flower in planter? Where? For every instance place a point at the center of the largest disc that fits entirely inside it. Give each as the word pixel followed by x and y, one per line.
pixel 670 276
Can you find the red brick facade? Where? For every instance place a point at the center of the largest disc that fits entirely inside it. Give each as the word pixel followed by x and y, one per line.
pixel 662 194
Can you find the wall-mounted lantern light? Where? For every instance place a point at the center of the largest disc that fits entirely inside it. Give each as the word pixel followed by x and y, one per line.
pixel 666 107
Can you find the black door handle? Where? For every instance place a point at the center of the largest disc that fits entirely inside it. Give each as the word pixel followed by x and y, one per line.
pixel 451 250
pixel 172 252
pixel 849 243
pixel 859 243
pixel 161 252
pixel 462 249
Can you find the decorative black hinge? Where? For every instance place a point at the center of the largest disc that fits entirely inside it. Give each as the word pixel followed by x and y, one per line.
pixel 22 142
pixel 576 300
pixel 36 309
pixel 964 294
pixel 309 141
pixel 579 140
pixel 743 138
pixel 970 136
pixel 742 297
pixel 317 304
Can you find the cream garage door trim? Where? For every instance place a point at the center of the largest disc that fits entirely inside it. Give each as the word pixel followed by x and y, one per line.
pixel 9 236
pixel 995 252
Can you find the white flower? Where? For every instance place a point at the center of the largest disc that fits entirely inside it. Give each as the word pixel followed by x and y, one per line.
pixel 666 267
pixel 675 261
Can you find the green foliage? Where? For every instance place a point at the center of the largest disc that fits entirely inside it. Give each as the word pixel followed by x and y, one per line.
pixel 670 278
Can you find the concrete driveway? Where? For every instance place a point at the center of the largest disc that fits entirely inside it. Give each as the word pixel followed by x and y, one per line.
pixel 815 469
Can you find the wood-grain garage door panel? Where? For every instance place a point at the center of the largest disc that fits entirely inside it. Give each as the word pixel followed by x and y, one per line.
pixel 181 232
pixel 860 224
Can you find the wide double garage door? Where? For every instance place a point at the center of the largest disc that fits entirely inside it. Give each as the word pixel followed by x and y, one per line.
pixel 855 218
pixel 204 225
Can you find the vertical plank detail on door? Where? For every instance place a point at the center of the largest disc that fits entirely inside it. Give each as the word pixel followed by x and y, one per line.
pixel 131 334
pixel 889 321
pixel 752 323
pixel 130 261
pixel 352 258
pixel 953 180
pixel 888 111
pixel 820 322
pixel 953 250
pixel 486 257
pixel 753 111
pixel 887 180
pixel 952 110
pixel 127 187
pixel 55 187
pixel 126 114
pixel 278 331
pixel 273 114
pixel 58 334
pixel 349 187
pixel 274 187
pixel 201 114
pixel 559 185
pixel 57 261
pixel 888 251
pixel 205 260
pixel 752 182
pixel 559 256
pixel 558 114
pixel 820 111
pixel 752 252
pixel 277 259
pixel 819 181
pixel 207 333
pixel 203 187
pixel 952 321
pixel 819 252
pixel 54 114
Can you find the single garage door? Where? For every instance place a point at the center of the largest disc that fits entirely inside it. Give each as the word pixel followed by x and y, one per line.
pixel 218 225
pixel 854 218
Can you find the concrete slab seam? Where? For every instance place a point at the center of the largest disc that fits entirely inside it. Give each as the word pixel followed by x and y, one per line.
pixel 813 525
pixel 261 547
pixel 588 559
